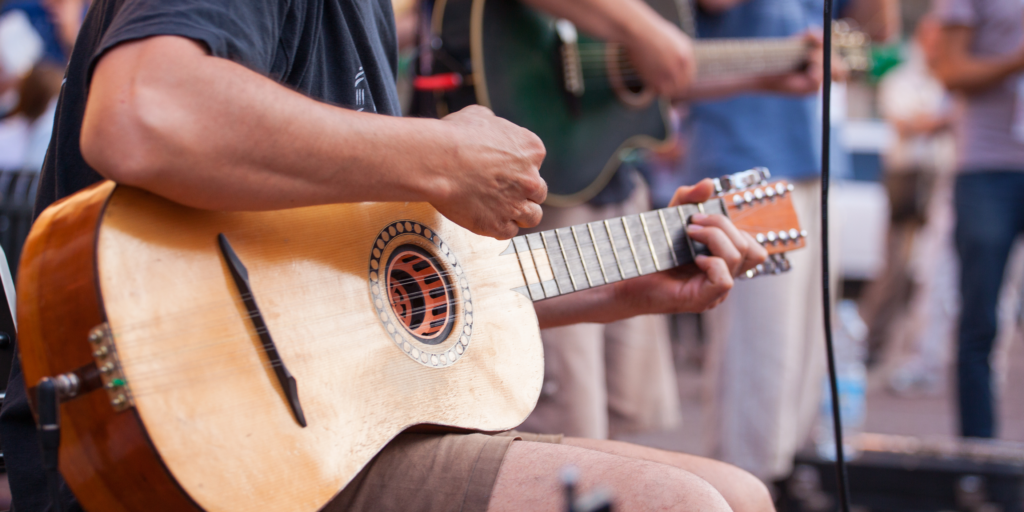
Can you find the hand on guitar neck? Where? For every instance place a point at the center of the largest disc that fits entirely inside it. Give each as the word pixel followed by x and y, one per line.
pixel 691 288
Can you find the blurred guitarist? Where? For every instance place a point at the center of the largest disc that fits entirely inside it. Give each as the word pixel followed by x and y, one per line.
pixel 603 380
pixel 766 348
pixel 259 104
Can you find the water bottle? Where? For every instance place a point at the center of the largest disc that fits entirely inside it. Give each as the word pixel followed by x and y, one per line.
pixel 848 342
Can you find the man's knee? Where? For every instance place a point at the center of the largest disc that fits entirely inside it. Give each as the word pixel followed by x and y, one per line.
pixel 528 480
pixel 668 488
pixel 747 493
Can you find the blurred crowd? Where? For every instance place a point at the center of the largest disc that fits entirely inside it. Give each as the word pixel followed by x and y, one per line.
pixel 36 37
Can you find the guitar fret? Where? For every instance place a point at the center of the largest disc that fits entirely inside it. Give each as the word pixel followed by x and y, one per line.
pixel 632 249
pixel 583 259
pixel 535 289
pixel 597 252
pixel 638 244
pixel 615 251
pixel 650 243
pixel 562 277
pixel 603 243
pixel 659 244
pixel 686 253
pixel 571 259
pixel 668 238
pixel 536 243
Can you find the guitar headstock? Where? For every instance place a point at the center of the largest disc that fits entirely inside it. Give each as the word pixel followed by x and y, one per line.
pixel 851 45
pixel 764 209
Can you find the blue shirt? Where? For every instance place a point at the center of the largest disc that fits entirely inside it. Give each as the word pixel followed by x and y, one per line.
pixel 749 130
pixel 40 19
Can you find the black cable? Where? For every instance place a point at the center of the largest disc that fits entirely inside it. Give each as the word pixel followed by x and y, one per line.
pixel 48 407
pixel 826 133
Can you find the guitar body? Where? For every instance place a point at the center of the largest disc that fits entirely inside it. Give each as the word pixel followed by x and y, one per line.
pixel 202 423
pixel 513 53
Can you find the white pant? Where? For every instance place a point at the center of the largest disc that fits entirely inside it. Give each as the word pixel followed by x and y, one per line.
pixel 766 358
pixel 604 380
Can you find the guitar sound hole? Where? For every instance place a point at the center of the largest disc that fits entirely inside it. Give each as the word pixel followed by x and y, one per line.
pixel 420 294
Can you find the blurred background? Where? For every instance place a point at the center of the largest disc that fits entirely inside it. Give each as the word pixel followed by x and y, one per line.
pixel 896 312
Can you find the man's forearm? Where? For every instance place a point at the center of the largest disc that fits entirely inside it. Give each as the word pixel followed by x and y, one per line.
pixel 879 19
pixel 216 135
pixel 609 20
pixel 958 70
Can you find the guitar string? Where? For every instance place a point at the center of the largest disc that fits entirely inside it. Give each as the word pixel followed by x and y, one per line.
pixel 245 350
pixel 618 240
pixel 238 301
pixel 204 326
pixel 255 253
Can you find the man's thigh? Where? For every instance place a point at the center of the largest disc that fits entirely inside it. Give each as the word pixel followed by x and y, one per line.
pixel 742 490
pixel 529 480
pixel 430 473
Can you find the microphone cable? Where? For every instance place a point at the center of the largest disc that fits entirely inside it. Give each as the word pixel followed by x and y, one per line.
pixel 826 132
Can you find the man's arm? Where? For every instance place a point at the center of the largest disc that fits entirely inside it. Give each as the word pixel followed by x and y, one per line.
pixel 206 132
pixel 879 19
pixel 958 70
pixel 663 54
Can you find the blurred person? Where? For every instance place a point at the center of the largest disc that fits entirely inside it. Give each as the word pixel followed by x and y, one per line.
pixel 38 50
pixel 766 355
pixel 607 380
pixel 25 130
pixel 980 57
pixel 919 280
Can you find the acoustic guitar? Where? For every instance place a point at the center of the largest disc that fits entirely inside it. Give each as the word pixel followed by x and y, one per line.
pixel 581 96
pixel 257 361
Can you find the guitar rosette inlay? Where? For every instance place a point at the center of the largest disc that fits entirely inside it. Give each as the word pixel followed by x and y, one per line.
pixel 421 294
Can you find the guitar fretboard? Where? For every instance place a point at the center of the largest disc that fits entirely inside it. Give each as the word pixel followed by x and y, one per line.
pixel 564 260
pixel 722 58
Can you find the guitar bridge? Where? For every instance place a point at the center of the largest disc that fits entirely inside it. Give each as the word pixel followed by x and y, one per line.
pixel 104 352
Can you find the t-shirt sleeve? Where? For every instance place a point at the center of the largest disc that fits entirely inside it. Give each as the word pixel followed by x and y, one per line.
pixel 244 31
pixel 955 12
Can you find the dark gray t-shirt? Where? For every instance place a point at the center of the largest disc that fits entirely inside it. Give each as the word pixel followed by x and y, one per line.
pixel 342 52
pixel 985 129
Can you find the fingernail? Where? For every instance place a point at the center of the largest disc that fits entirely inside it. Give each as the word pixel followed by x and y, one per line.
pixel 699 216
pixel 694 227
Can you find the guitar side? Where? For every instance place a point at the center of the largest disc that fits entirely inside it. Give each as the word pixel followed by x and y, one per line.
pixel 205 397
pixel 514 50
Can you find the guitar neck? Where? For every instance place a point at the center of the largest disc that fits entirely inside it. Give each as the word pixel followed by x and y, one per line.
pixel 564 260
pixel 726 58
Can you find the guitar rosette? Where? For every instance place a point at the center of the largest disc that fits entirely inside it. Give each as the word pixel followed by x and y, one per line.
pixel 421 294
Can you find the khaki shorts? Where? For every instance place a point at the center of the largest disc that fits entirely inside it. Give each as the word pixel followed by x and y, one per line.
pixel 431 473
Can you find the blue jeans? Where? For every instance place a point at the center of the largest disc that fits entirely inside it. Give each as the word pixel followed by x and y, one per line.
pixel 989 215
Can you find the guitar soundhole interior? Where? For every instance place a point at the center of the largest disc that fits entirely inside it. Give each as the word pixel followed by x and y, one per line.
pixel 420 294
